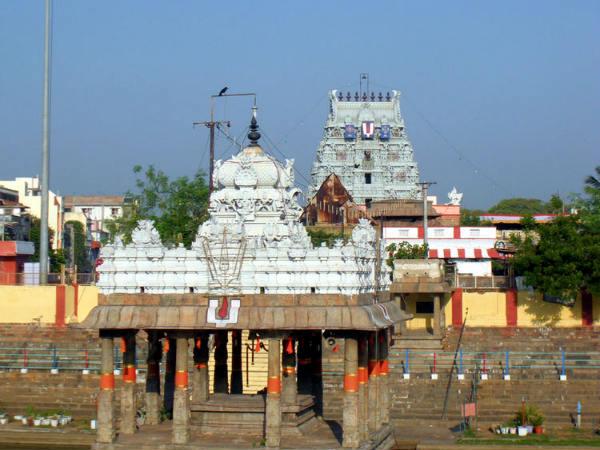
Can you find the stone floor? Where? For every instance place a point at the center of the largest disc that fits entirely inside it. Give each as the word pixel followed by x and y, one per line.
pixel 158 437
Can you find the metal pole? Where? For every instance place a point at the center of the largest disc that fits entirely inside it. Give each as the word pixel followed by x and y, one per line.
pixel 45 147
pixel 424 187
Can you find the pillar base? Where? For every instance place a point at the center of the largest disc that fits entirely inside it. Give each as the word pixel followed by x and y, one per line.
pixel 181 421
pixel 152 408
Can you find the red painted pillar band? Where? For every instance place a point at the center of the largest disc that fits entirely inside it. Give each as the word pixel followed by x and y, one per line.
pixel 587 309
pixel 457 316
pixel 59 320
pixel 511 308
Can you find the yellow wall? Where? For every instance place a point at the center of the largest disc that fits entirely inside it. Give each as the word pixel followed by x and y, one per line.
pixel 488 309
pixel 26 304
pixel 534 312
pixel 88 298
pixel 484 309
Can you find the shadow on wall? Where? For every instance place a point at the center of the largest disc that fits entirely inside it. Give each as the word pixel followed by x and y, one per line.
pixel 546 313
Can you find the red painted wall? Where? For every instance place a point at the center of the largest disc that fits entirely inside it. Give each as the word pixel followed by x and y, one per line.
pixel 457 317
pixel 511 308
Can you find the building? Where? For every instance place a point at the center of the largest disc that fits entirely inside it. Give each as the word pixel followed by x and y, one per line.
pixel 15 221
pixel 365 144
pixel 93 211
pixel 251 276
pixel 29 193
pixel 471 249
pixel 13 255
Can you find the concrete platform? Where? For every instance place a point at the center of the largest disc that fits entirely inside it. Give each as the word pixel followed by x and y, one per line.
pixel 326 435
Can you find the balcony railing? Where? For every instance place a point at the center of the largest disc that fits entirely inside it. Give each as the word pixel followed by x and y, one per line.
pixel 481 282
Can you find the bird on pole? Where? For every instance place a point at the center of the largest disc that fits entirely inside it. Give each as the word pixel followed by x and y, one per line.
pixel 222 91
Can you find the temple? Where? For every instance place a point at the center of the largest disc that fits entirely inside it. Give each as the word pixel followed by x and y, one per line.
pixel 251 281
pixel 365 144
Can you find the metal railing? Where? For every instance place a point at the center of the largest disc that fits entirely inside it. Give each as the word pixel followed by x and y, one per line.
pixel 475 282
pixel 497 363
pixel 32 279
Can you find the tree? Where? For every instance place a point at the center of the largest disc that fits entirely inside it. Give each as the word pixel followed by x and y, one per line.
pixel 177 207
pixel 593 182
pixel 80 249
pixel 562 257
pixel 404 250
pixel 56 256
pixel 520 206
pixel 470 217
pixel 556 204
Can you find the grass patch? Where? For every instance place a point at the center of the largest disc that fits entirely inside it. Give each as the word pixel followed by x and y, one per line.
pixel 543 439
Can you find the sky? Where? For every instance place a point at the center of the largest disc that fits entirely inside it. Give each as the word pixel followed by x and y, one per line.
pixel 500 99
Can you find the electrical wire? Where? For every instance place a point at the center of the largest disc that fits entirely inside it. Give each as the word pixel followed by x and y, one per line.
pixel 461 156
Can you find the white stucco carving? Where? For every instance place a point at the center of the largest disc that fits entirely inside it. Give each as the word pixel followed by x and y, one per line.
pixel 253 242
pixel 455 197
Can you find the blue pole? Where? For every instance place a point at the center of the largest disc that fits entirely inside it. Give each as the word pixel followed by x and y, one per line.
pixel 562 361
pixel 460 362
pixel 406 367
pixel 506 365
pixel 54 358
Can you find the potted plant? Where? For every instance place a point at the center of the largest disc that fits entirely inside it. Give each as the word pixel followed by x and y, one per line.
pixel 537 421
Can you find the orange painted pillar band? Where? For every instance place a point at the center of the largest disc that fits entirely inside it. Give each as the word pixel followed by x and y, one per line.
pixel 129 373
pixel 107 381
pixel 384 367
pixel 289 370
pixel 373 368
pixel 350 382
pixel 181 379
pixel 274 385
pixel 363 375
pixel 201 366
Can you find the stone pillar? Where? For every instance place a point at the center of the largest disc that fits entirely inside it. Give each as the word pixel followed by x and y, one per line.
pixel 383 380
pixel 273 407
pixel 128 408
pixel 221 384
pixel 181 407
pixel 153 380
pixel 289 387
pixel 317 371
pixel 363 386
pixel 373 420
pixel 169 387
pixel 351 435
pixel 237 381
pixel 304 365
pixel 106 396
pixel 200 384
pixel 437 315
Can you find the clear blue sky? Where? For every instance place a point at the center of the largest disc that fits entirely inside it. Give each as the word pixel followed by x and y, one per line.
pixel 512 86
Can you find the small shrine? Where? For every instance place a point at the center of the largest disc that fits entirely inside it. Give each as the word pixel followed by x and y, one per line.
pixel 252 273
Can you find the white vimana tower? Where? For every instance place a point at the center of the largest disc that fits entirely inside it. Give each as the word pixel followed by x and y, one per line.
pixel 366 146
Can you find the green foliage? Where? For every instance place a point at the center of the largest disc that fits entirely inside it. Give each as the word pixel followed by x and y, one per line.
pixel 318 236
pixel 562 257
pixel 177 206
pixel 79 245
pixel 520 206
pixel 470 217
pixel 56 256
pixel 532 416
pixel 404 250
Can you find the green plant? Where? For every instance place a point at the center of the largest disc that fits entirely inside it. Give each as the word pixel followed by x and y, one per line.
pixel 537 420
pixel 526 417
pixel 404 250
pixel 30 411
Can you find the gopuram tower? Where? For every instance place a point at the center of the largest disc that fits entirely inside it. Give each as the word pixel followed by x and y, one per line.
pixel 252 283
pixel 365 144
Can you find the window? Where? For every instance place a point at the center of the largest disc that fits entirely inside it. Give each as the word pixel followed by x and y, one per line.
pixel 368 202
pixel 367 178
pixel 367 155
pixel 114 211
pixel 425 307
